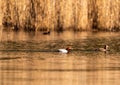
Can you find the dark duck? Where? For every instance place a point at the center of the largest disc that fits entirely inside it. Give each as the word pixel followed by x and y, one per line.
pixel 46 33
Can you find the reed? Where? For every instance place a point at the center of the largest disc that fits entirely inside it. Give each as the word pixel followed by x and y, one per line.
pixel 33 15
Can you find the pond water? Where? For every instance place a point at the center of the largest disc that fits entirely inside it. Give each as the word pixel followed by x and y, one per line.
pixel 32 58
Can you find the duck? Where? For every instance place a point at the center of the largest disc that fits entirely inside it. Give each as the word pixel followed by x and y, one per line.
pixel 106 48
pixel 46 33
pixel 67 50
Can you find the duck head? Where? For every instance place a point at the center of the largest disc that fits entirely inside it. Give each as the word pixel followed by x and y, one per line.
pixel 68 49
pixel 106 47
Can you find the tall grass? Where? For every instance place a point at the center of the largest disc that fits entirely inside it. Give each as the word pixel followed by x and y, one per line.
pixel 61 14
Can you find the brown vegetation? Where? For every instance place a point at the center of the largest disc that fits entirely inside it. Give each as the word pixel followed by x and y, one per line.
pixel 33 15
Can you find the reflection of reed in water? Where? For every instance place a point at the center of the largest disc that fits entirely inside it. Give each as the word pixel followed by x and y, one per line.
pixel 62 14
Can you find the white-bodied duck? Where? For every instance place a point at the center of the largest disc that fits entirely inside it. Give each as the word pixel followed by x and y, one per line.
pixel 67 50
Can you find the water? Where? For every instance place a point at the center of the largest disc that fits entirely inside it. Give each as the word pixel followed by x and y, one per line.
pixel 31 58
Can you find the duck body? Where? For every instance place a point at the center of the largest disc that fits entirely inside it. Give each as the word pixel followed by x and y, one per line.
pixel 102 49
pixel 63 50
pixel 67 50
pixel 46 33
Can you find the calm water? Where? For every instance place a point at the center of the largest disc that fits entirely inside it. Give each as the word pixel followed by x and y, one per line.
pixel 31 59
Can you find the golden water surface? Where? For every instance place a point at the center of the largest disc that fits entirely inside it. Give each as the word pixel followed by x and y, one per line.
pixel 32 59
